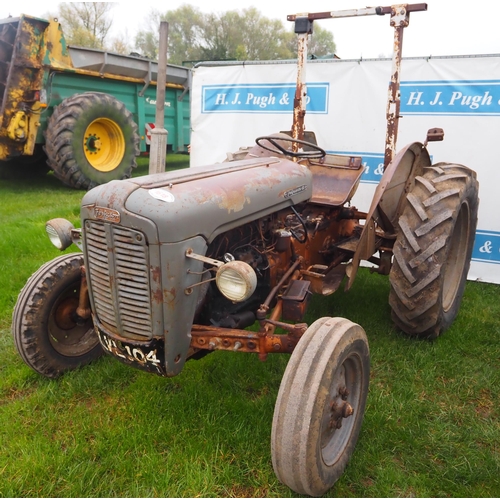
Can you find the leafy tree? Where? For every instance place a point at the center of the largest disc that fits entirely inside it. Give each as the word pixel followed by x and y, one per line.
pixel 263 38
pixel 147 43
pixel 184 28
pixel 86 23
pixel 120 44
pixel 320 43
pixel 240 35
pixel 218 37
pixel 184 33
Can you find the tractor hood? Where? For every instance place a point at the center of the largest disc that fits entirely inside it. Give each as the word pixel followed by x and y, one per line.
pixel 138 286
pixel 201 201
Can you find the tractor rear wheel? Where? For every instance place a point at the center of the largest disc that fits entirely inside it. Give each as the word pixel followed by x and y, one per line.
pixel 320 406
pixel 47 334
pixel 91 139
pixel 433 249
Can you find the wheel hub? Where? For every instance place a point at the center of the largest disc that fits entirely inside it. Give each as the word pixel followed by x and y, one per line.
pixel 65 313
pixel 93 144
pixel 340 409
pixel 68 336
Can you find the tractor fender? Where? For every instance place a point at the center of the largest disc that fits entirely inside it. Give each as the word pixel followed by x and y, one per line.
pixel 389 200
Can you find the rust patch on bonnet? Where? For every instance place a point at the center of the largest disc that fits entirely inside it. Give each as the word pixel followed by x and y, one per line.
pixel 157 297
pixel 233 200
pixel 156 274
pixel 156 291
pixel 170 296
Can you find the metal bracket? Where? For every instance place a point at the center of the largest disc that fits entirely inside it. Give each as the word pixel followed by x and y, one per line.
pixel 147 80
pixel 202 258
pixel 400 17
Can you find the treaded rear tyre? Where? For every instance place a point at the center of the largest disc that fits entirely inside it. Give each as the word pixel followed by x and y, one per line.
pixel 433 249
pixel 91 139
pixel 313 436
pixel 45 333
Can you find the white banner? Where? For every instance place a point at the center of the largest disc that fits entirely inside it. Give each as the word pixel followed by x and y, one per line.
pixel 231 105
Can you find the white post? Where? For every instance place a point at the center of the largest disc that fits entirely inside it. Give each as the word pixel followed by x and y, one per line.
pixel 158 150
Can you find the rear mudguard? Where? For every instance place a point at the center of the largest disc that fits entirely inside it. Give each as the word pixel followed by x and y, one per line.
pixel 389 200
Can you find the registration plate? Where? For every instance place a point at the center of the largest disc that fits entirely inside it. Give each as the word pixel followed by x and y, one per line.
pixel 148 356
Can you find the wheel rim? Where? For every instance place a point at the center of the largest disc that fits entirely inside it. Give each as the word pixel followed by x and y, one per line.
pixel 457 257
pixel 66 336
pixel 104 144
pixel 341 409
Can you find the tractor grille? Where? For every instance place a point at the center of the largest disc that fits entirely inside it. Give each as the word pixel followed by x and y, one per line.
pixel 118 273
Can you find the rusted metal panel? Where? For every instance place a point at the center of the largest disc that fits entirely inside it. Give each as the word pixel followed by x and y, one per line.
pixel 335 179
pixel 324 281
pixel 211 207
pixel 226 339
pixel 21 73
pixel 387 201
pixel 295 300
pixel 407 164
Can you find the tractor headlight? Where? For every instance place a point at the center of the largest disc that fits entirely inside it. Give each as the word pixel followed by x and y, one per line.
pixel 236 280
pixel 59 232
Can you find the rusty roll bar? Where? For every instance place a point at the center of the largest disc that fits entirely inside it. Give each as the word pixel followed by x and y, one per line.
pixel 400 18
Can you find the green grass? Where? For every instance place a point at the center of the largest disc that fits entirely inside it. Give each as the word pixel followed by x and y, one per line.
pixel 431 428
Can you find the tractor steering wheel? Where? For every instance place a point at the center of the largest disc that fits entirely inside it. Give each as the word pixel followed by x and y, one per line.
pixel 273 139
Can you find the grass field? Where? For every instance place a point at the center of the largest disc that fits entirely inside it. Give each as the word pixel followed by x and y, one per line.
pixel 431 428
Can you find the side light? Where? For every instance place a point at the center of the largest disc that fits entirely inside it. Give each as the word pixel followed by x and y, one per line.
pixel 236 280
pixel 59 233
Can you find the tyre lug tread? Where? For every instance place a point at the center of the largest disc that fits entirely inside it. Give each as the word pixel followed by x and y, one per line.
pixel 448 193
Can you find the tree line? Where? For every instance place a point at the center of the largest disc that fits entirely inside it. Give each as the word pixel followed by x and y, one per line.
pixel 193 35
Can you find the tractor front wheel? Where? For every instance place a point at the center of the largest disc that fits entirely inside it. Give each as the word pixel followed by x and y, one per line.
pixel 47 334
pixel 320 406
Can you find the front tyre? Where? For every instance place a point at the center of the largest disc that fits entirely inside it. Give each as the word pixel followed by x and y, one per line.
pixel 44 326
pixel 320 406
pixel 433 250
pixel 91 139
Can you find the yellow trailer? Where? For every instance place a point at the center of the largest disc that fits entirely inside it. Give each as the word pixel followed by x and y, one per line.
pixel 86 112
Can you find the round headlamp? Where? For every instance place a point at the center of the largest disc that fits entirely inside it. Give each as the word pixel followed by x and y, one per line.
pixel 59 232
pixel 236 280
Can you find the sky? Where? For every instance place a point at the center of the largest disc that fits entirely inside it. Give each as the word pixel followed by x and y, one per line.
pixel 449 27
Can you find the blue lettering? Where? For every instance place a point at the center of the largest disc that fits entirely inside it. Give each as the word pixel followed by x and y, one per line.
pixel 480 97
pixel 262 98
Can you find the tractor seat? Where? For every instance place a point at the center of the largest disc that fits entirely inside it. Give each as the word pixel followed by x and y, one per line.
pixel 335 179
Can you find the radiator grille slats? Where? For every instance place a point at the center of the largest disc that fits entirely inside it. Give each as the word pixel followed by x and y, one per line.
pixel 118 273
